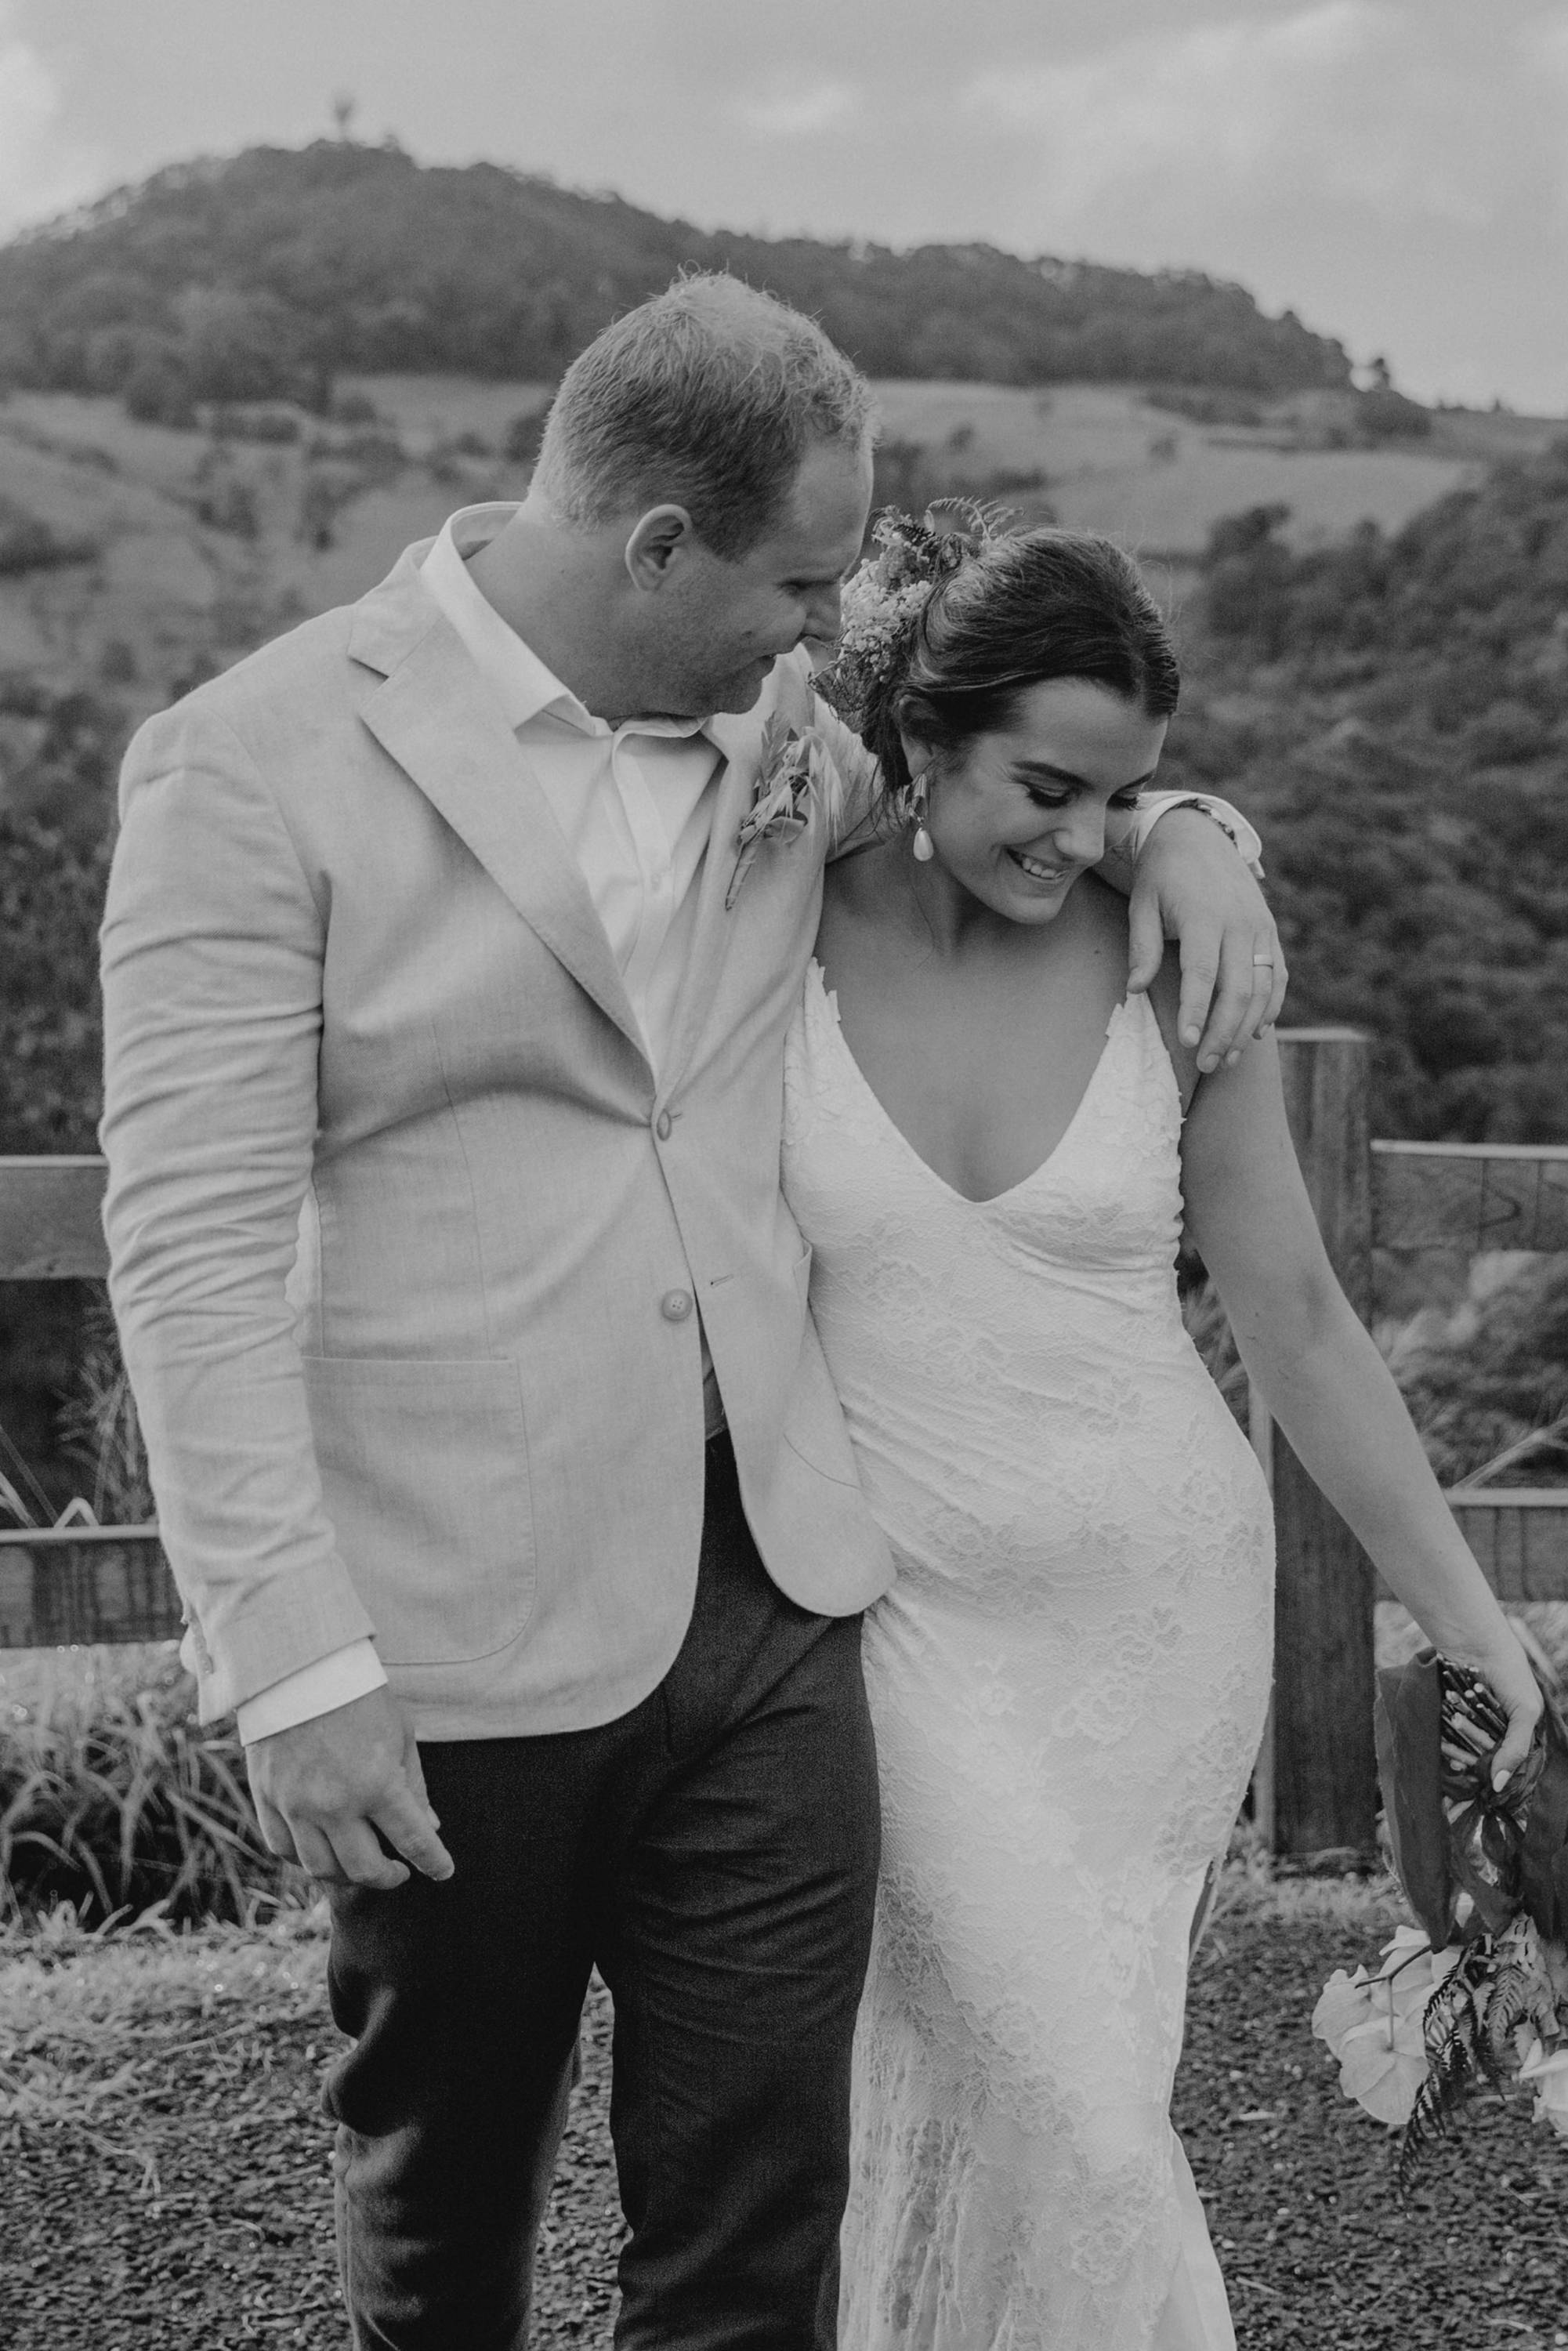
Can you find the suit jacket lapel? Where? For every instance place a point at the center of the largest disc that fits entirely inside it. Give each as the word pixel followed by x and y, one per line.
pixel 453 739
pixel 740 740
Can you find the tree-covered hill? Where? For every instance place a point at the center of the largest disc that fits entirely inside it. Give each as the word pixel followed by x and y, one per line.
pixel 260 277
pixel 1393 711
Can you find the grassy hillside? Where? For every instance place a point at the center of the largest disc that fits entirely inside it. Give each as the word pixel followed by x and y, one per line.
pixel 165 554
pixel 1116 458
pixel 133 555
pixel 269 274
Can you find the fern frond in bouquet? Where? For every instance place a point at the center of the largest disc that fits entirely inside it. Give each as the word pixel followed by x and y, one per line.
pixel 1477 1993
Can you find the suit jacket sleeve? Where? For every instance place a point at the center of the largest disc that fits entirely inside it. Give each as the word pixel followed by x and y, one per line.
pixel 212 953
pixel 1127 834
pixel 856 775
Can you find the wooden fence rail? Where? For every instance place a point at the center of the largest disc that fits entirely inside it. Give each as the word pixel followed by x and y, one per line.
pixel 1316 1783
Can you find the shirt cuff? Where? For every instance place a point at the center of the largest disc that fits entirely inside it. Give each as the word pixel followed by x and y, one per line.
pixel 1155 805
pixel 334 1681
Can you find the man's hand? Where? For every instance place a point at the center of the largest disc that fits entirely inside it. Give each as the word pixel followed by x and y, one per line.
pixel 1190 885
pixel 325 1787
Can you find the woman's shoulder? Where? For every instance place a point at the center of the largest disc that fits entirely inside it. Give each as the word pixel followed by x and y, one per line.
pixel 1099 924
pixel 1164 1002
pixel 1104 914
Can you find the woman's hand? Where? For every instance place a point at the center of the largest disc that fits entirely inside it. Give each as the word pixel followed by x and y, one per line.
pixel 1190 885
pixel 1503 1664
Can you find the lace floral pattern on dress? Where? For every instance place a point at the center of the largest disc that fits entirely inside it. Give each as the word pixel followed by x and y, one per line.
pixel 1068 1682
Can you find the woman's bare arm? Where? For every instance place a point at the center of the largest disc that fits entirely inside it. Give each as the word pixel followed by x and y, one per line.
pixel 1326 1384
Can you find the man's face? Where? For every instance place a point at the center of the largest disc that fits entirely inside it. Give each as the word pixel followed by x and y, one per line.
pixel 727 623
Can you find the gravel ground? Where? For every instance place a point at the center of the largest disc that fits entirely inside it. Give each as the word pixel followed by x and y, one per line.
pixel 167 2181
pixel 1298 2183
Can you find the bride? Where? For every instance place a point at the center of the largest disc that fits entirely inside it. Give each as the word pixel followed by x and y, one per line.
pixel 992 1149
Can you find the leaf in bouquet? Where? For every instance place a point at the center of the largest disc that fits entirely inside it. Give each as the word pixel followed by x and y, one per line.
pixel 1544 1853
pixel 1487 1828
pixel 775 732
pixel 1483 1855
pixel 1382 2065
pixel 1344 2002
pixel 1411 1970
pixel 1458 2057
pixel 1409 1723
pixel 1519 1995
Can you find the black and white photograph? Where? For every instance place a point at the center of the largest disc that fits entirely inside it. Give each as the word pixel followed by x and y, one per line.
pixel 784 1175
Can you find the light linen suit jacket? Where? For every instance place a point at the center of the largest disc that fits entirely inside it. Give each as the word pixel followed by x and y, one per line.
pixel 407 1240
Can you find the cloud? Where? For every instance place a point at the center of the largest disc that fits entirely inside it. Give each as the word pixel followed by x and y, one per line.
pixel 1543 47
pixel 40 173
pixel 1379 103
pixel 802 114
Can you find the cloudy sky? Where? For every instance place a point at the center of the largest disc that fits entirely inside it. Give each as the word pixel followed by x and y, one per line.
pixel 1394 170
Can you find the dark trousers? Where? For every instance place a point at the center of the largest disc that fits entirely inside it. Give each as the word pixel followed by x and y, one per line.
pixel 714 1853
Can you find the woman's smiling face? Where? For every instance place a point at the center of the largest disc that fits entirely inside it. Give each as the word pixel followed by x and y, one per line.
pixel 1016 816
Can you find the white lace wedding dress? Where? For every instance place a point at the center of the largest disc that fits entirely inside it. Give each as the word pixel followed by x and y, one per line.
pixel 1068 1683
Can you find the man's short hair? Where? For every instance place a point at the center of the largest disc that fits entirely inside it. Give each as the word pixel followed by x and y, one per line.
pixel 708 397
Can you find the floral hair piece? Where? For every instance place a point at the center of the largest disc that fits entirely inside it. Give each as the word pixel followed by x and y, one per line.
pixel 885 597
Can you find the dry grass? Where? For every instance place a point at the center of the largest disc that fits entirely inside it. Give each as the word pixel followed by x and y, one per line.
pixel 1112 464
pixel 87 2018
pixel 116 1802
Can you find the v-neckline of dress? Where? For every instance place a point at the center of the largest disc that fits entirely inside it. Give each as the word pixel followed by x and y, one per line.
pixel 1010 1191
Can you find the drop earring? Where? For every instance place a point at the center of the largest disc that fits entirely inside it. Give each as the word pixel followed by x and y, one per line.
pixel 921 848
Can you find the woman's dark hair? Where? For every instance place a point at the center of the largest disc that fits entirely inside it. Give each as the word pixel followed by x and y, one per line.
pixel 1020 609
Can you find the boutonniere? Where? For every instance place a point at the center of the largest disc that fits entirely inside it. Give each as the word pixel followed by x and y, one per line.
pixel 793 769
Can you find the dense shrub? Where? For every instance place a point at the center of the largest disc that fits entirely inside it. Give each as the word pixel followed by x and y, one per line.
pixel 158 392
pixel 1487 1381
pixel 1384 414
pixel 1405 755
pixel 342 257
pixel 58 796
pixel 29 544
pixel 113 1798
pixel 268 425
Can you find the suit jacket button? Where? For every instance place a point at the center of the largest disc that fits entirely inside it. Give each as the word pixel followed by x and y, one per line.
pixel 675 1305
pixel 663 1125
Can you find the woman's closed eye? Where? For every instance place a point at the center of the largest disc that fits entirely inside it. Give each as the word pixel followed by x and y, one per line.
pixel 1052 800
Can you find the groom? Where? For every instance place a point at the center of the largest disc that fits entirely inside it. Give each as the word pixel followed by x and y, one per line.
pixel 469 1328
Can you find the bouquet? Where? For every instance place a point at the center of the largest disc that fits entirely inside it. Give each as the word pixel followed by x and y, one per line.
pixel 1477 1993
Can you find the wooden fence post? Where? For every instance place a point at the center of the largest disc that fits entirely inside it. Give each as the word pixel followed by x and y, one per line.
pixel 1323 1779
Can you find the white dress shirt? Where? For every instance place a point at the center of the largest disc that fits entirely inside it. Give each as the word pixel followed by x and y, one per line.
pixel 634 804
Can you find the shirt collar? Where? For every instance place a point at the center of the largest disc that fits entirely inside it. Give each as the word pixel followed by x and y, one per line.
pixel 525 687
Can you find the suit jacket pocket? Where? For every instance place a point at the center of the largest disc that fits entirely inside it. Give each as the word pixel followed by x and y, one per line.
pixel 425 1472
